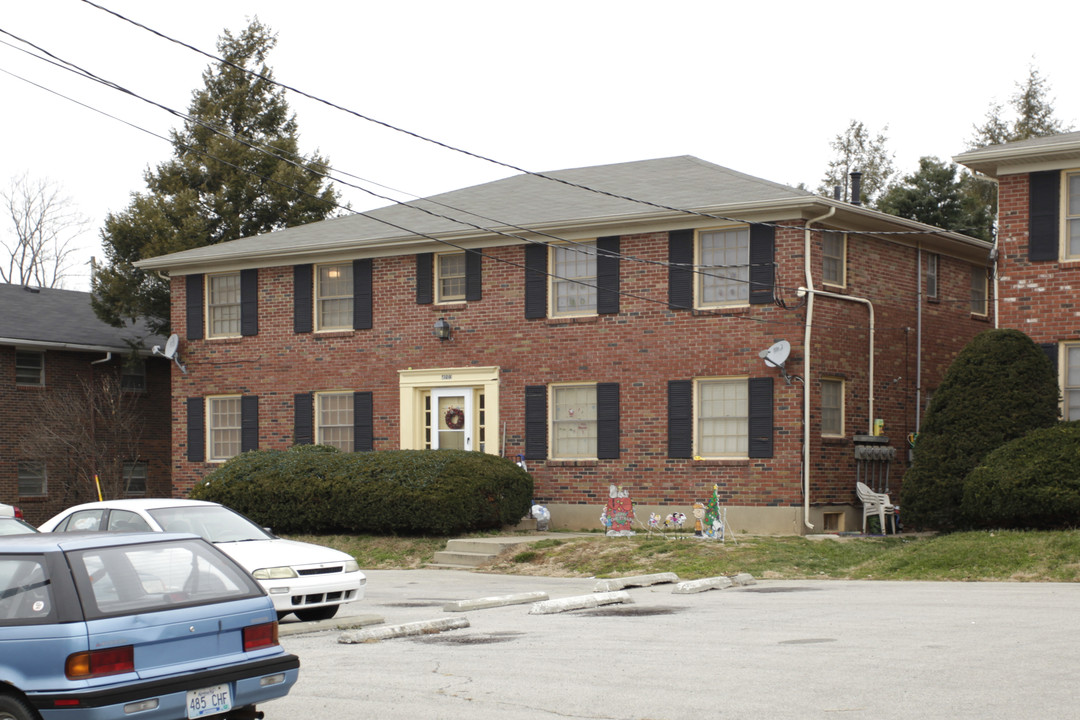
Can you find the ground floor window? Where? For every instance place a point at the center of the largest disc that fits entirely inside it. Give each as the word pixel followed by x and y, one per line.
pixel 573 421
pixel 334 420
pixel 223 427
pixel 135 478
pixel 32 478
pixel 722 417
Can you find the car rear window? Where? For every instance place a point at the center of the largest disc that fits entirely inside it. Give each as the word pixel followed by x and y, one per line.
pixel 26 596
pixel 124 579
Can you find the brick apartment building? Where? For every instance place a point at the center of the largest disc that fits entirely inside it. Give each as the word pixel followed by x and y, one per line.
pixel 1038 247
pixel 605 323
pixel 50 343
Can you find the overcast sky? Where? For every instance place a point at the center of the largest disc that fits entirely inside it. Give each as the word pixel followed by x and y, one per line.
pixel 758 87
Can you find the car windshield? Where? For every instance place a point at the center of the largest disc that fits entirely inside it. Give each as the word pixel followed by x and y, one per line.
pixel 213 522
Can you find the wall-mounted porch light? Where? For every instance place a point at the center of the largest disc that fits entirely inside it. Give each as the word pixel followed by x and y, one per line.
pixel 441 329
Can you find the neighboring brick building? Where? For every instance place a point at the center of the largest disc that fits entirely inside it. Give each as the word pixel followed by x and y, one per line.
pixel 51 341
pixel 1038 247
pixel 608 337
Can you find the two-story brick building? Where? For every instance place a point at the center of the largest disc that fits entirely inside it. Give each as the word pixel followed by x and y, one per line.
pixel 53 346
pixel 1038 246
pixel 605 323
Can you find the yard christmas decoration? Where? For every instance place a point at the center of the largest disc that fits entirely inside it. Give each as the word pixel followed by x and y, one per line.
pixel 618 515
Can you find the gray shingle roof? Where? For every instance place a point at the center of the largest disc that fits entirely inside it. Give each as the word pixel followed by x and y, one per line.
pixel 51 317
pixel 1062 150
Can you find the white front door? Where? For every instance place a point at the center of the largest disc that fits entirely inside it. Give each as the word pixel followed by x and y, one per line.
pixel 452 419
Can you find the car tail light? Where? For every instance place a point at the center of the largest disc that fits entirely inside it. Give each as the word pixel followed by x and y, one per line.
pixel 18 511
pixel 260 636
pixel 96 663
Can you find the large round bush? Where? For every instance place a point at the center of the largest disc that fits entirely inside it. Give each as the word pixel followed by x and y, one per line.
pixel 1032 482
pixel 308 489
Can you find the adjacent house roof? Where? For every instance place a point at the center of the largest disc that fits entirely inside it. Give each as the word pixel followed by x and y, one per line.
pixel 1024 155
pixel 51 318
pixel 644 195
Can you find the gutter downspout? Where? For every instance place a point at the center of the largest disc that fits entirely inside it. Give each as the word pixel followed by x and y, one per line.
pixel 808 266
pixel 107 358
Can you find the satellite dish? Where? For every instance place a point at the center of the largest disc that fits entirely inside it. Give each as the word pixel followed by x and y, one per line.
pixel 774 356
pixel 173 341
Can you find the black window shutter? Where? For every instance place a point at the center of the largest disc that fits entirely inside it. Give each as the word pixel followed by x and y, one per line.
pixel 303 422
pixel 249 302
pixel 680 269
pixel 1051 350
pixel 762 240
pixel 363 422
pixel 536 422
pixel 196 429
pixel 680 424
pixel 249 423
pixel 303 286
pixel 425 263
pixel 607 275
pixel 361 319
pixel 474 275
pixel 760 422
pixel 194 307
pixel 607 421
pixel 1044 215
pixel 536 282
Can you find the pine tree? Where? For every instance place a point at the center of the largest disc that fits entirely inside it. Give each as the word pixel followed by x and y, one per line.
pixel 936 195
pixel 855 149
pixel 218 185
pixel 1033 111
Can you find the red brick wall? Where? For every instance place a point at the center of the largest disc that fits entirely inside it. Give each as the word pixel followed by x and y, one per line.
pixel 642 348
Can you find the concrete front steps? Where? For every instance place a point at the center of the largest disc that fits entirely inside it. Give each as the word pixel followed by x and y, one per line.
pixel 471 553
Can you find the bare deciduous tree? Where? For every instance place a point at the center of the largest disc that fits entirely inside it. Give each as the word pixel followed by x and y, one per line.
pixel 39 232
pixel 91 428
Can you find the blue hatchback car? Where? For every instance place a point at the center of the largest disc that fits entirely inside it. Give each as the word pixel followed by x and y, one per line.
pixel 149 625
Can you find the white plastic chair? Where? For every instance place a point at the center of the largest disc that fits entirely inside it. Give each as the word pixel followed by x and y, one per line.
pixel 875 504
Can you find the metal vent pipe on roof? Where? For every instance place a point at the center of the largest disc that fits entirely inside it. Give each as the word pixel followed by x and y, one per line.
pixel 856 187
pixel 837 192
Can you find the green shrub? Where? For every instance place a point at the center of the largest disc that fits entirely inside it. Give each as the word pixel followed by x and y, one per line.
pixel 1000 387
pixel 1032 482
pixel 311 489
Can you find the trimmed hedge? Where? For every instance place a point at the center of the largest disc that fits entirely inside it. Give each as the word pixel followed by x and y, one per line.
pixel 316 489
pixel 1030 483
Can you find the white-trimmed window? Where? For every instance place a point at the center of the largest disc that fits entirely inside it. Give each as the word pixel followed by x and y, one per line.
pixel 1072 214
pixel 223 415
pixel 29 367
pixel 334 297
pixel 450 277
pixel 135 474
pixel 723 260
pixel 573 279
pixel 979 284
pixel 1072 382
pixel 722 417
pixel 834 258
pixel 223 304
pixel 133 376
pixel 32 478
pixel 932 275
pixel 334 420
pixel 832 407
pixel 573 422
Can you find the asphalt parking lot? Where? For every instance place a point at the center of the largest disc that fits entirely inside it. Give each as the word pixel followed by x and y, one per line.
pixel 777 649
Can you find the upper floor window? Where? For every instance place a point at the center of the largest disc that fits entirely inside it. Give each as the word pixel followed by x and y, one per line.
pixel 334 420
pixel 133 377
pixel 29 367
pixel 223 416
pixel 334 297
pixel 932 275
pixel 723 259
pixel 832 406
pixel 223 304
pixel 450 277
pixel 722 412
pixel 32 478
pixel 135 478
pixel 574 430
pixel 1072 213
pixel 573 279
pixel 979 284
pixel 833 257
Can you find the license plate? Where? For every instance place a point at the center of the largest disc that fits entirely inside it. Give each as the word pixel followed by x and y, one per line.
pixel 208 701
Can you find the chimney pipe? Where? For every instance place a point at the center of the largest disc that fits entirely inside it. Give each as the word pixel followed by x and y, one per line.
pixel 837 192
pixel 856 187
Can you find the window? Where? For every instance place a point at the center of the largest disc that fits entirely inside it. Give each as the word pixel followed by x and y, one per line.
pixel 723 276
pixel 833 256
pixel 573 282
pixel 931 276
pixel 450 274
pixel 722 418
pixel 1072 213
pixel 32 480
pixel 1072 382
pixel 573 423
pixel 334 297
pixel 135 478
pixel 127 521
pixel 133 377
pixel 223 305
pixel 832 406
pixel 223 422
pixel 978 290
pixel 334 420
pixel 29 368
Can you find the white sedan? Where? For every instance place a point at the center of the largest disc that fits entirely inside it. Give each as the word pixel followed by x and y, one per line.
pixel 308 580
pixel 9 511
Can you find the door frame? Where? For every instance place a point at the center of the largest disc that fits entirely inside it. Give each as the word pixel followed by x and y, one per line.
pixel 413 385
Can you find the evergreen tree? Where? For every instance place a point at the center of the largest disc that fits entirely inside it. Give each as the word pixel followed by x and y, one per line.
pixel 216 187
pixel 855 149
pixel 1033 111
pixel 935 195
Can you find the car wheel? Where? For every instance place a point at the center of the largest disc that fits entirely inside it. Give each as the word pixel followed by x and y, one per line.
pixel 320 613
pixel 13 708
